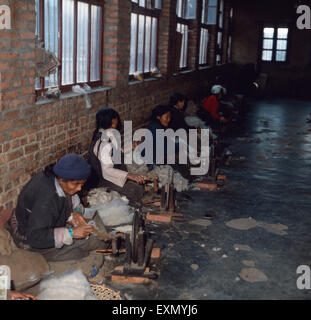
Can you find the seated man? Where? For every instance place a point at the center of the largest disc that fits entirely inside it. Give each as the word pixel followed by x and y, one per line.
pixel 44 207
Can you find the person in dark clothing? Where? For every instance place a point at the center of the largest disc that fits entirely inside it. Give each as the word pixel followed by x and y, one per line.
pixel 48 208
pixel 106 173
pixel 160 120
pixel 177 103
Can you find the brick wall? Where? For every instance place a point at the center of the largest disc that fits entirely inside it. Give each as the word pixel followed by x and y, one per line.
pixel 35 134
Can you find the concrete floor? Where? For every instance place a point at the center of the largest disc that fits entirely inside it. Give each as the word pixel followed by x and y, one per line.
pixel 271 186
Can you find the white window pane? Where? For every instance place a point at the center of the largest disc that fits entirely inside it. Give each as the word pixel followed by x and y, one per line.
pixel 203 46
pixel 134 18
pixel 158 4
pixel 147 44
pixel 184 45
pixel 282 33
pixel 280 56
pixel 231 13
pixel 95 42
pixel 179 8
pixel 212 2
pixel 229 48
pixel 82 42
pixel 221 14
pixel 268 44
pixel 219 39
pixel 267 55
pixel 142 3
pixel 191 9
pixel 154 43
pixel 141 38
pixel 212 15
pixel 204 15
pixel 281 45
pixel 68 29
pixel 268 32
pixel 136 1
pixel 51 36
pixel 37 17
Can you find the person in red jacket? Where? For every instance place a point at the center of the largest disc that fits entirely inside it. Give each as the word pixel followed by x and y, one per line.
pixel 211 105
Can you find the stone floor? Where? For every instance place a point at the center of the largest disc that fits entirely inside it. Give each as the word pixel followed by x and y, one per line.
pixel 205 261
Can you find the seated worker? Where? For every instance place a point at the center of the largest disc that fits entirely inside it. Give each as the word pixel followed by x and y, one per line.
pixel 45 206
pixel 211 106
pixel 177 103
pixel 105 172
pixel 161 117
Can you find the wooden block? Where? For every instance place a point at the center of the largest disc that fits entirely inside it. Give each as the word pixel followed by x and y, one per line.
pixel 155 253
pixel 221 177
pixel 129 279
pixel 159 217
pixel 126 279
pixel 207 186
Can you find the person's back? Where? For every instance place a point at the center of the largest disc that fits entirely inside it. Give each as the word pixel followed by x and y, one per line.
pixel 211 105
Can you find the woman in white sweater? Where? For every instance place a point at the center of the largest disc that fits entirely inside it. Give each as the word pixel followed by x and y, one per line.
pixel 105 172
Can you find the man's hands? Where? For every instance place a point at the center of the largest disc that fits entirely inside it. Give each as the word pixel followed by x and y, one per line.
pixel 81 230
pixel 139 178
pixel 16 295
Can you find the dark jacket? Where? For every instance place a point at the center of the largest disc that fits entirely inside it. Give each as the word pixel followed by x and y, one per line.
pixel 39 210
pixel 178 120
pixel 153 127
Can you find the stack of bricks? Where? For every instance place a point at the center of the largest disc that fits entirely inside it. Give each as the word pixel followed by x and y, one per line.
pixel 34 133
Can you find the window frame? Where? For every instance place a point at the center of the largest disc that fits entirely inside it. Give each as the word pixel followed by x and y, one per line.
pixel 184 21
pixel 275 38
pixel 220 29
pixel 146 12
pixel 41 28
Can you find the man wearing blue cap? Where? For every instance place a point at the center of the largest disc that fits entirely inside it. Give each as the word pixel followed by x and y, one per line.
pixel 44 207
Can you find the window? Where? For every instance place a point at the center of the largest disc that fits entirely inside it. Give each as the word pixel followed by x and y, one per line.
pixel 185 10
pixel 229 48
pixel 210 12
pixel 144 36
pixel 220 32
pixel 274 44
pixel 72 30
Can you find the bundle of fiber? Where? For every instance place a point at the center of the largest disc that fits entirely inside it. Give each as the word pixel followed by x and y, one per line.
pixel 194 121
pixel 191 109
pixel 72 285
pixel 162 172
pixel 101 196
pixel 114 213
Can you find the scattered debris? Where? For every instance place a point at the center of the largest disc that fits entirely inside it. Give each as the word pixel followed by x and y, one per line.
pixel 242 247
pixel 216 249
pixel 249 223
pixel 201 222
pixel 242 224
pixel 224 256
pixel 194 267
pixel 252 275
pixel 249 263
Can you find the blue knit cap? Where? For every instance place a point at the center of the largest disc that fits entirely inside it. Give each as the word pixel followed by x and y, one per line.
pixel 72 167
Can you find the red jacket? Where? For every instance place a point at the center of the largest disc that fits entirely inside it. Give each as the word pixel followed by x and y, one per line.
pixel 211 105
